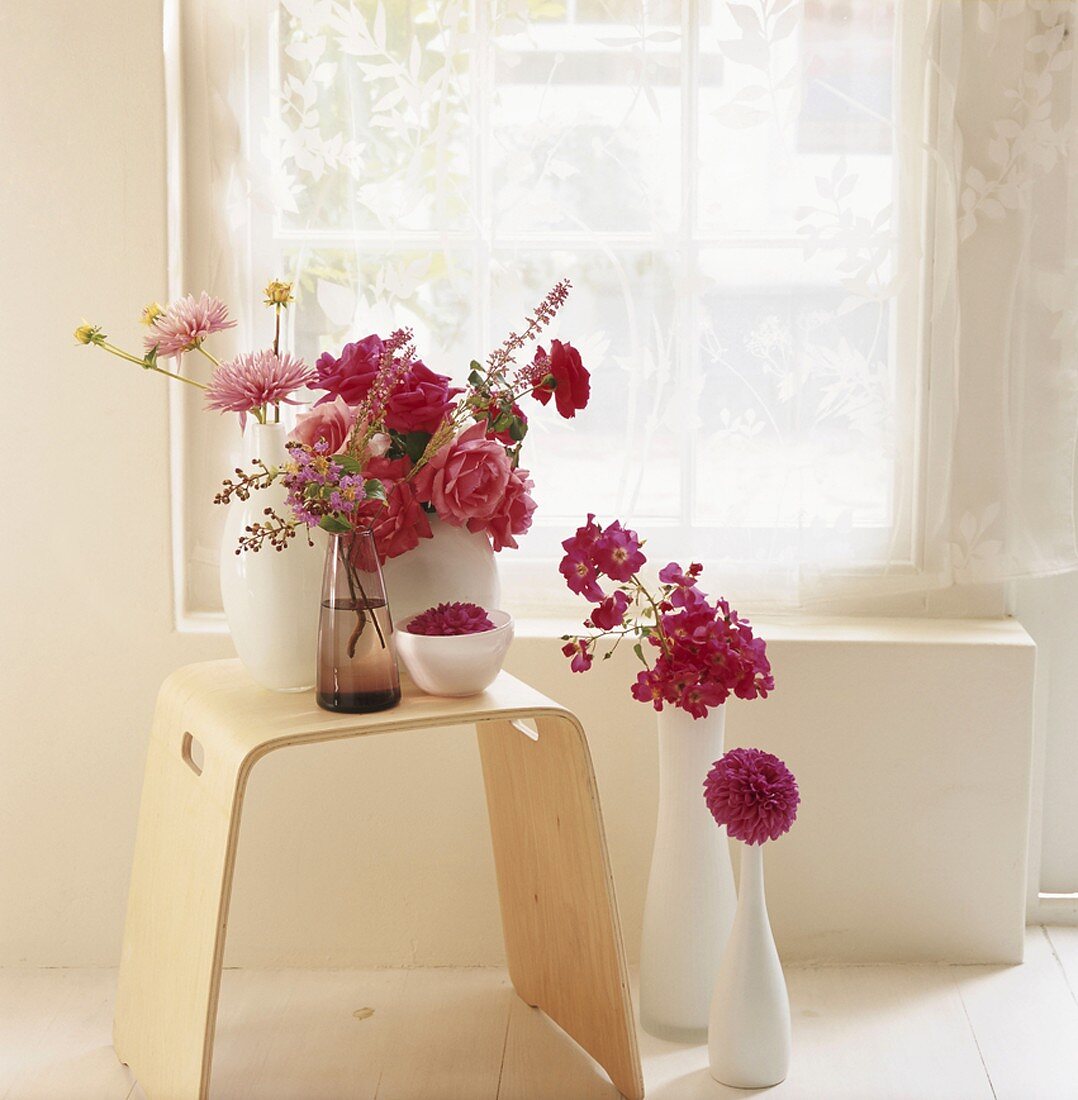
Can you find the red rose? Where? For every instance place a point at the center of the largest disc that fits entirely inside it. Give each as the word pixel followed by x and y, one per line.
pixel 421 401
pixel 351 374
pixel 572 382
pixel 400 522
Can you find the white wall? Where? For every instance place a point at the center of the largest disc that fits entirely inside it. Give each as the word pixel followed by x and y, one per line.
pixel 912 748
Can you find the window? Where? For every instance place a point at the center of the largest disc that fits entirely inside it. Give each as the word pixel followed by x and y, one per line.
pixel 727 186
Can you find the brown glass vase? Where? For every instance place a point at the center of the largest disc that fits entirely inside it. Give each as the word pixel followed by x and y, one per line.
pixel 357 661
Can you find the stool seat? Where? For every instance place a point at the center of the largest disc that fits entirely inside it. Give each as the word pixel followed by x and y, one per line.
pixel 559 915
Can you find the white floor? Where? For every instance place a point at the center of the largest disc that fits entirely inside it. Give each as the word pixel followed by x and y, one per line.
pixel 898 1032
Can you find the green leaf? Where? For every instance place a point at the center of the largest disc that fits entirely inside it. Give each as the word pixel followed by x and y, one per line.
pixel 374 489
pixel 414 444
pixel 638 649
pixel 475 378
pixel 348 463
pixel 518 429
pixel 334 525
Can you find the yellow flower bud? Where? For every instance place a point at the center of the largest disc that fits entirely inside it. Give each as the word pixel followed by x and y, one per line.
pixel 89 334
pixel 278 293
pixel 151 312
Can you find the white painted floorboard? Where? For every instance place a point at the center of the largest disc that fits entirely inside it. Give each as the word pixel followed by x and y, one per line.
pixel 860 1033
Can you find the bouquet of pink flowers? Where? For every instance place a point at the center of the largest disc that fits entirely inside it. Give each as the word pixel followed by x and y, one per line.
pixel 389 443
pixel 702 651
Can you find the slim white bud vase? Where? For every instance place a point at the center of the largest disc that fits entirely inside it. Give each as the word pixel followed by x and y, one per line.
pixel 271 599
pixel 748 1042
pixel 691 900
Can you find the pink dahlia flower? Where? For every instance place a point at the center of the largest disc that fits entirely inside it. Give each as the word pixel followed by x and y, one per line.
pixel 513 515
pixel 331 423
pixel 254 380
pixel 400 522
pixel 451 619
pixel 186 323
pixel 753 794
pixel 466 479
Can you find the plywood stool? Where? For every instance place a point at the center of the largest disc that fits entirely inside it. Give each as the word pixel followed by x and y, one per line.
pixel 212 725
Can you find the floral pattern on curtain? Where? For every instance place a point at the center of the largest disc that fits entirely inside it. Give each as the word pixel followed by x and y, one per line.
pixel 821 251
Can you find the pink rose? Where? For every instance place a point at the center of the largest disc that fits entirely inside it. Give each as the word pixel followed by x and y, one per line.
pixel 332 422
pixel 466 479
pixel 513 516
pixel 421 401
pixel 351 374
pixel 400 522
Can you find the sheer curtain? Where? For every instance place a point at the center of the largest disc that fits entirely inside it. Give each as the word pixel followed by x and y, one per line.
pixel 821 251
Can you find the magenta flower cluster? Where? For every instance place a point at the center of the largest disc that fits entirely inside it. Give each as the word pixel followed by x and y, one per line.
pixel 703 651
pixel 753 794
pixel 449 619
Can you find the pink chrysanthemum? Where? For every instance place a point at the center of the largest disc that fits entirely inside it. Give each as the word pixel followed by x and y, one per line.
pixel 451 619
pixel 753 794
pixel 254 380
pixel 186 323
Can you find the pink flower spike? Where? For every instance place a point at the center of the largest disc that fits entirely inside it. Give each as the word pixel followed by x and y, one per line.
pixel 753 794
pixel 450 619
pixel 186 323
pixel 254 380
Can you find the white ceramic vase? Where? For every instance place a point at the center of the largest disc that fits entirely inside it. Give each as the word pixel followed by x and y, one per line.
pixel 748 1042
pixel 456 565
pixel 691 900
pixel 271 599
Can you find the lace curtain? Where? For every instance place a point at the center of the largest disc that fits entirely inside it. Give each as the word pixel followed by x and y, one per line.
pixel 821 250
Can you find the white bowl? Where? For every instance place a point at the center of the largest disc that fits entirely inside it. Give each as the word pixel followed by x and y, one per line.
pixel 455 664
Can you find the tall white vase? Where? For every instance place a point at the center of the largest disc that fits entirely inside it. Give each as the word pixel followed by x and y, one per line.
pixel 271 599
pixel 453 566
pixel 748 1042
pixel 691 899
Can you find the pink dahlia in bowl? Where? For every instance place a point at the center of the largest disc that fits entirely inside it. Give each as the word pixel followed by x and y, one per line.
pixel 449 619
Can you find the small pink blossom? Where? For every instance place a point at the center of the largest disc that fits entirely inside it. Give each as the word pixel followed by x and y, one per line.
pixel 378 444
pixel 617 552
pixel 513 515
pixel 578 567
pixel 450 619
pixel 185 323
pixel 753 794
pixel 581 657
pixel 466 479
pixel 254 380
pixel 610 614
pixel 331 422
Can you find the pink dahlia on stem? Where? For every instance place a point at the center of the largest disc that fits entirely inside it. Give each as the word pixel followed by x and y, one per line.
pixel 449 619
pixel 185 323
pixel 254 380
pixel 753 794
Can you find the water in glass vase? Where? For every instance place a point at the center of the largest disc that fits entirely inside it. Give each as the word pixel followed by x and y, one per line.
pixel 357 661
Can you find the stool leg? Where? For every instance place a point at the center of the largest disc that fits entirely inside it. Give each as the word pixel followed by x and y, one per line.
pixel 559 916
pixel 181 879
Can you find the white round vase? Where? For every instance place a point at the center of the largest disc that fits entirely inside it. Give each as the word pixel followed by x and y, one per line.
pixel 691 900
pixel 271 599
pixel 454 566
pixel 748 1042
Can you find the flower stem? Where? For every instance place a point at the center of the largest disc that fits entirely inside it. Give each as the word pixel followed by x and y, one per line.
pixel 146 365
pixel 209 355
